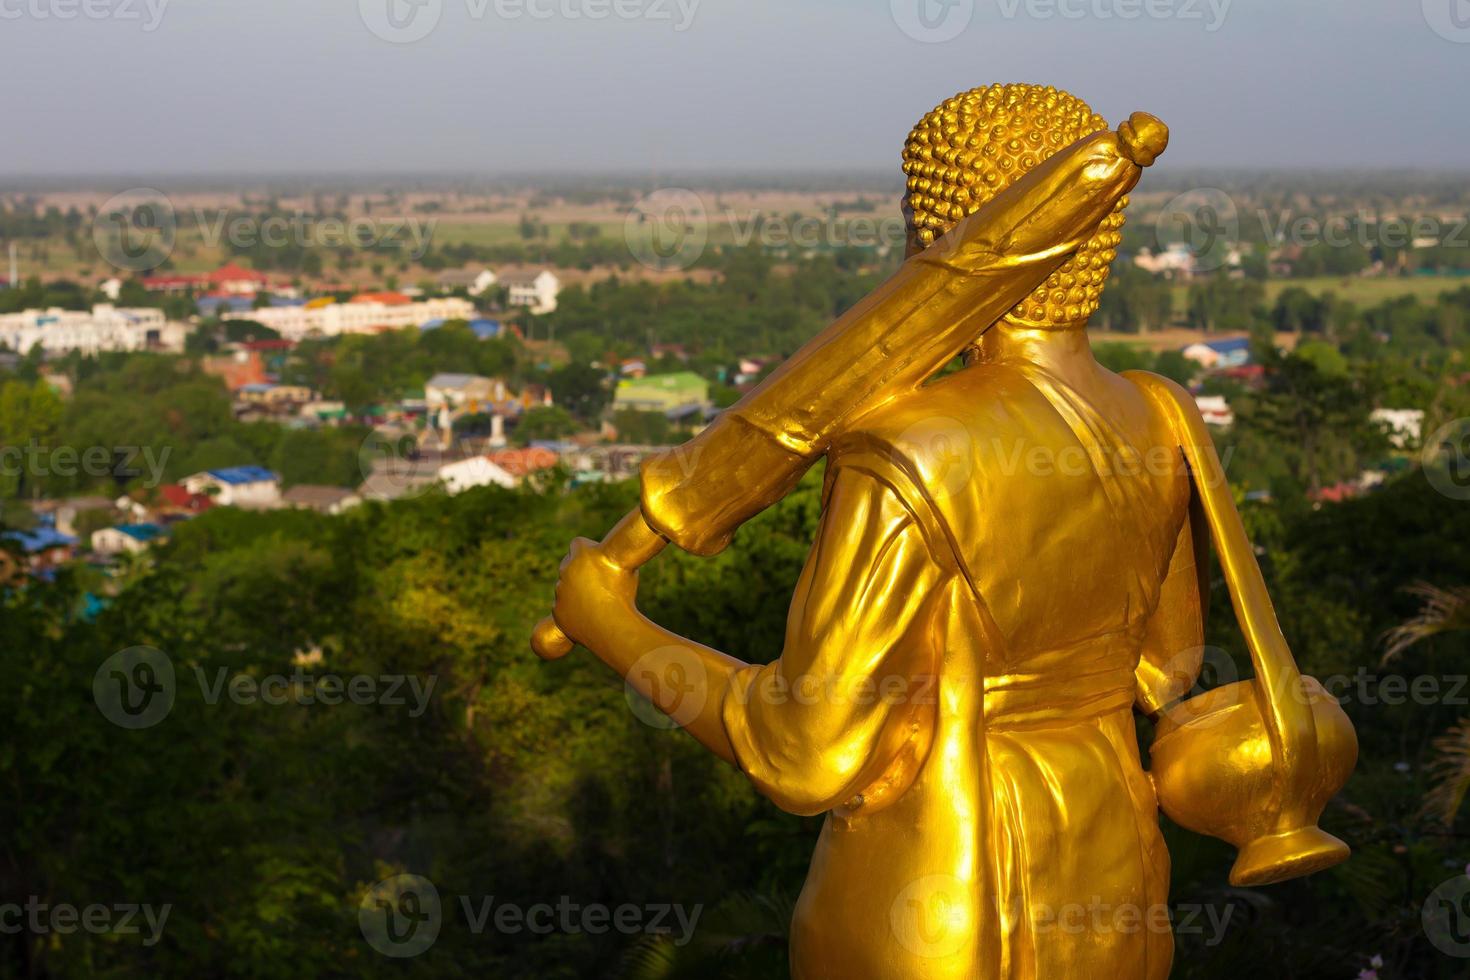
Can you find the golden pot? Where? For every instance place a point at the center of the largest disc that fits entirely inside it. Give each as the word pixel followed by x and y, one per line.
pixel 1215 772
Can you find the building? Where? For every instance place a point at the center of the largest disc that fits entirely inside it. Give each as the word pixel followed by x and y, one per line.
pixel 1176 260
pixel 230 278
pixel 1219 354
pixel 678 395
pixel 535 290
pixel 43 547
pixel 473 281
pixel 238 486
pixel 364 313
pixel 464 392
pixel 483 328
pixel 524 463
pixel 476 471
pixel 175 499
pixel 274 397
pixel 105 328
pixel 125 538
pixel 1215 410
pixel 323 500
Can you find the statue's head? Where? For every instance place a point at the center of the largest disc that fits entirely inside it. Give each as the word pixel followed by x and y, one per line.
pixel 970 147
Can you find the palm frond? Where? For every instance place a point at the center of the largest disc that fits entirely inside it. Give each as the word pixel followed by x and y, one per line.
pixel 1444 611
pixel 1449 772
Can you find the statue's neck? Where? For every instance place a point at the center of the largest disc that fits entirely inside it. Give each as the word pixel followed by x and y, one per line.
pixel 1064 353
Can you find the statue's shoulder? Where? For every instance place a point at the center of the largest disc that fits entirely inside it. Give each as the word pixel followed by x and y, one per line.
pixel 917 437
pixel 983 398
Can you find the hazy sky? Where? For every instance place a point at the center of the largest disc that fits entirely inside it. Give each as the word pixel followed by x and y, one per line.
pixel 184 86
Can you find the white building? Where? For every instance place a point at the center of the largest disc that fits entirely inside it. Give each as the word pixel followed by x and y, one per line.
pixel 536 290
pixel 475 282
pixel 476 471
pixel 125 538
pixel 1215 410
pixel 105 328
pixel 238 486
pixel 364 314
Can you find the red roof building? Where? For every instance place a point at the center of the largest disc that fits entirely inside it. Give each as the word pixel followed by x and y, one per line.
pixel 523 462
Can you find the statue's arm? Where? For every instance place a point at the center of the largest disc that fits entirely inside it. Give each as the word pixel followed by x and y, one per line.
pixel 1172 646
pixel 817 724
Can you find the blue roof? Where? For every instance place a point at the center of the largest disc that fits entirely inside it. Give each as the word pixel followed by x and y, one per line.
pixel 484 328
pixel 1226 346
pixel 141 532
pixel 40 539
pixel 243 474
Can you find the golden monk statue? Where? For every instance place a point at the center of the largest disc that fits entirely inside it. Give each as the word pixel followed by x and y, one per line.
pixel 1008 566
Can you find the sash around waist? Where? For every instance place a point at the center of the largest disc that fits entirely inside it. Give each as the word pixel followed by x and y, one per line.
pixel 1060 689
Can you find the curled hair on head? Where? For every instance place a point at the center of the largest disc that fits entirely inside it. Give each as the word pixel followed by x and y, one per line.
pixel 970 147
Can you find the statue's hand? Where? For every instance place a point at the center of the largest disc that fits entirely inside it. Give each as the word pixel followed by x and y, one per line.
pixel 594 596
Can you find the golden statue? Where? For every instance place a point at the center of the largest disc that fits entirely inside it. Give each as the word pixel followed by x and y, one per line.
pixel 1009 564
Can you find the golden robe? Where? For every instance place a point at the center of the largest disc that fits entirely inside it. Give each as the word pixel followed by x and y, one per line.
pixel 957 684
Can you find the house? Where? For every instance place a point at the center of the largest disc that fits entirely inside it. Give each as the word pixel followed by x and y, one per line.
pixel 522 463
pixel 463 392
pixel 536 290
pixel 238 486
pixel 676 395
pixel 476 471
pixel 229 278
pixel 1215 410
pixel 175 498
pixel 323 500
pixel 44 547
pixel 472 281
pixel 1176 260
pixel 1228 352
pixel 125 538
